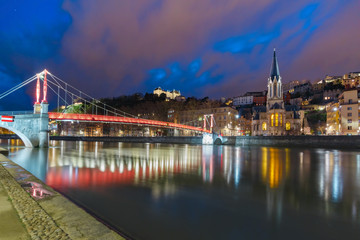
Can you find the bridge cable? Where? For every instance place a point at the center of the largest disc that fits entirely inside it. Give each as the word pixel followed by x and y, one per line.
pixel 24 83
pixel 114 109
pixel 81 98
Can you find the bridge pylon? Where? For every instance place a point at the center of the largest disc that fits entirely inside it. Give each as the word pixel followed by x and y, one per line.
pixel 44 125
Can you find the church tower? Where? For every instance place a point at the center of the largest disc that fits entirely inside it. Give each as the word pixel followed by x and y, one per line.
pixel 276 119
pixel 275 93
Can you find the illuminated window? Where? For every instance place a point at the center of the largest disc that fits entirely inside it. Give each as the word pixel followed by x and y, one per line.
pixel 281 119
pixel 264 126
pixel 272 120
pixel 288 126
pixel 276 119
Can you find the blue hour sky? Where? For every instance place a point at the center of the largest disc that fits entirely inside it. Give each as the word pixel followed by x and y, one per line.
pixel 200 47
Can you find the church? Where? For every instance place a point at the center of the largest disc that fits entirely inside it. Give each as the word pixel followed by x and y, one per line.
pixel 276 118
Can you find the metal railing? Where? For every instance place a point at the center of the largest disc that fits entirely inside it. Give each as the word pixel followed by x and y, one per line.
pixel 11 113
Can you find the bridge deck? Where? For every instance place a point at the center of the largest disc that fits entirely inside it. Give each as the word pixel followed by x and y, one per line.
pixel 102 118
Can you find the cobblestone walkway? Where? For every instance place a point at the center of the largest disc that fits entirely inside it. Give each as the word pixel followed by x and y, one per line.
pixel 11 227
pixel 38 223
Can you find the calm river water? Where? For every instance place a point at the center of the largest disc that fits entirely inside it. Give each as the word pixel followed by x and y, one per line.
pixel 165 191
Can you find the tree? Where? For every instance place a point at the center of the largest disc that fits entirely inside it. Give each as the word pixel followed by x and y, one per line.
pixel 317 121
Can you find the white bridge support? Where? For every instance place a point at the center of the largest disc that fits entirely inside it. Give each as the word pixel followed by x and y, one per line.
pixel 33 129
pixel 211 139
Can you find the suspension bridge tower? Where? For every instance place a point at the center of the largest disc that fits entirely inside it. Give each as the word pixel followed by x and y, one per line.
pixel 42 111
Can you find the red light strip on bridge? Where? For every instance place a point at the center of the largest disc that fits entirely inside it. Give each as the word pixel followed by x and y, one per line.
pixel 103 118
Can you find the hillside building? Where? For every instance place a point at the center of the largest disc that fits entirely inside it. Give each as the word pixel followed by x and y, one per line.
pixel 227 120
pixel 169 94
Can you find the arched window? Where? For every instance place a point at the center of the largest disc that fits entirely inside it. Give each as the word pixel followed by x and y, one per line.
pixel 275 89
pixel 280 92
pixel 281 120
pixel 288 126
pixel 272 120
pixel 276 119
pixel 264 126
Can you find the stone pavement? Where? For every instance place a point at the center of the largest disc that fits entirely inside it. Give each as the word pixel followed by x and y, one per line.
pixel 11 227
pixel 37 222
pixel 38 212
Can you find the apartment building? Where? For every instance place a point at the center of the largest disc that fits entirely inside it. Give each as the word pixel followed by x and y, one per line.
pixel 250 98
pixel 333 118
pixel 349 112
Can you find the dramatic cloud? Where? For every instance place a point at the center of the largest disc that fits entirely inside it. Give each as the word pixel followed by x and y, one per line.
pixel 200 47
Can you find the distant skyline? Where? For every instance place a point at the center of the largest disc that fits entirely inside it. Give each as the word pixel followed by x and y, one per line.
pixel 200 47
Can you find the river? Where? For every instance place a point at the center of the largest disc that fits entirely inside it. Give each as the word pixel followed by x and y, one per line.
pixel 168 191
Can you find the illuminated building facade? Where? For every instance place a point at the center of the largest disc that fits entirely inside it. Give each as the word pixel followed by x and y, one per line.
pixel 333 118
pixel 287 87
pixel 276 118
pixel 226 119
pixel 349 112
pixel 169 94
pixel 250 98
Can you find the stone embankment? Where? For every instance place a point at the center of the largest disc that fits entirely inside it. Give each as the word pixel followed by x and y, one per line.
pixel 350 142
pixel 270 141
pixel 165 139
pixel 45 213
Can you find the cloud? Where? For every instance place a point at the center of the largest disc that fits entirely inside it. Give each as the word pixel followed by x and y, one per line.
pixel 202 47
pixel 129 38
pixel 246 43
pixel 134 45
pixel 176 76
pixel 334 50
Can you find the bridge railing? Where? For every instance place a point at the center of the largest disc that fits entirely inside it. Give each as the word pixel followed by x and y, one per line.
pixel 11 113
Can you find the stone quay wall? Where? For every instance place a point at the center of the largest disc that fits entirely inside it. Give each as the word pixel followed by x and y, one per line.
pixel 171 140
pixel 297 141
pixel 271 141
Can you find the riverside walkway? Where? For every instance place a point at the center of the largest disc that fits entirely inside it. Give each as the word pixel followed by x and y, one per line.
pixel 29 209
pixel 11 225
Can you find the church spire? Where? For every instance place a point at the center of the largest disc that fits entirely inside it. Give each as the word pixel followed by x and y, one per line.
pixel 274 68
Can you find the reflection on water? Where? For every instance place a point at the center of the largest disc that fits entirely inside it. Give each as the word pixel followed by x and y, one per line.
pixel 192 192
